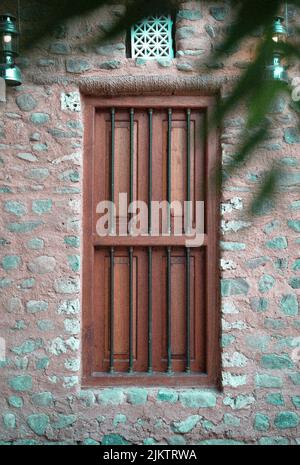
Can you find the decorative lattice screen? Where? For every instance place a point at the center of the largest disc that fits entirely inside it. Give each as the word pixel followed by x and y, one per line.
pixel 152 38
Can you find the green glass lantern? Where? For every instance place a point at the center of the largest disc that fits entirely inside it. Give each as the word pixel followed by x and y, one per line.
pixel 9 50
pixel 279 32
pixel 275 70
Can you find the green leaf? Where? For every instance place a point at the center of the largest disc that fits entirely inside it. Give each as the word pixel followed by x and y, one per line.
pixel 262 99
pixel 56 12
pixel 251 14
pixel 250 141
pixel 139 10
pixel 267 191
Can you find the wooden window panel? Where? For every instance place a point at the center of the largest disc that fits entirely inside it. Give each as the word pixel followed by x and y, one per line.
pixel 204 278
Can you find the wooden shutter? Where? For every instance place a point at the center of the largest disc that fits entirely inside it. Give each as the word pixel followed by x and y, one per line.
pixel 150 304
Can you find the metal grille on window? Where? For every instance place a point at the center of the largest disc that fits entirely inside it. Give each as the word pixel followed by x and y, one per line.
pixel 152 38
pixel 150 292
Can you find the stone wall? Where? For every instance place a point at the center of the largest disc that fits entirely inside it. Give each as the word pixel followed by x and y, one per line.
pixel 41 151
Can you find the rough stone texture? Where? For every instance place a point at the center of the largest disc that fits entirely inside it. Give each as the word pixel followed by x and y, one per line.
pixel 42 265
pixel 26 102
pixel 41 149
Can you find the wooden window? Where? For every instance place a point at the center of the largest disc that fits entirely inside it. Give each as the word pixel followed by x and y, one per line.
pixel 150 304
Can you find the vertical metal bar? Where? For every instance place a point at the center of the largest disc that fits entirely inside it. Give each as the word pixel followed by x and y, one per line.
pixel 131 152
pixel 130 368
pixel 150 355
pixel 112 282
pixel 188 312
pixel 188 167
pixel 169 327
pixel 112 169
pixel 150 310
pixel 111 330
pixel 150 170
pixel 188 255
pixel 131 168
pixel 169 170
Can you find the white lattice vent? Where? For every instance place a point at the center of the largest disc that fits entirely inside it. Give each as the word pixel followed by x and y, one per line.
pixel 152 38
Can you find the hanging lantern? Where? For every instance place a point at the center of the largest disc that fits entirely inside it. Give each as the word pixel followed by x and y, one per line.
pixel 275 70
pixel 279 32
pixel 9 50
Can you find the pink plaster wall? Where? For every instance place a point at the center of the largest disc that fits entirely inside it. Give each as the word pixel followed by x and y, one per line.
pixel 44 344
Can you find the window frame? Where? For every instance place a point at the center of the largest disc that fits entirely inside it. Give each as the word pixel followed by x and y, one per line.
pixel 212 272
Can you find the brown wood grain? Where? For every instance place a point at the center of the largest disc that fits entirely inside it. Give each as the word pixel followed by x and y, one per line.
pixel 204 270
